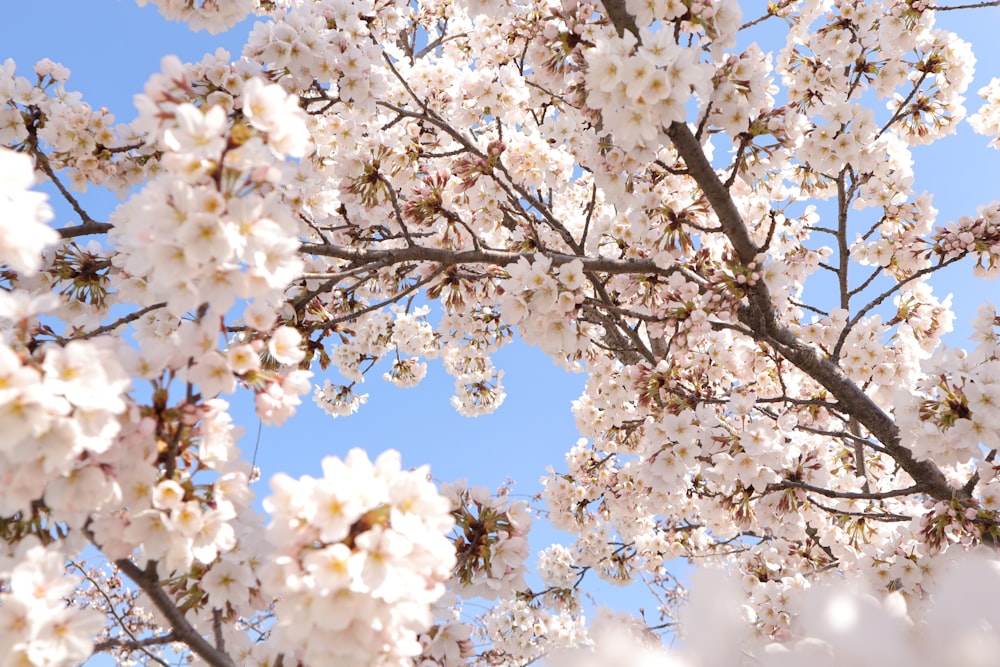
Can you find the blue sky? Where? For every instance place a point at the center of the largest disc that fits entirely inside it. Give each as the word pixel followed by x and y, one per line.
pixel 113 46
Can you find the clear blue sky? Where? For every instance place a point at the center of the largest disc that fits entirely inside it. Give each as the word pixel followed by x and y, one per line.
pixel 112 46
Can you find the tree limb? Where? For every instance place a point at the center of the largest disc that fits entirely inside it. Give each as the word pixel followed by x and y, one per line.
pixel 758 314
pixel 385 257
pixel 848 495
pixel 148 581
pixel 86 229
pixel 620 17
pixel 137 644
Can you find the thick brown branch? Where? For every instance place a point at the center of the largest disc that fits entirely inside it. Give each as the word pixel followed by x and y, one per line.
pixel 496 257
pixel 620 18
pixel 843 247
pixel 148 581
pixel 849 495
pixel 852 399
pixel 690 150
pixel 759 316
pixel 86 229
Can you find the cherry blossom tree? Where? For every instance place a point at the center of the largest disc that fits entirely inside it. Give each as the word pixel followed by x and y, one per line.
pixel 640 189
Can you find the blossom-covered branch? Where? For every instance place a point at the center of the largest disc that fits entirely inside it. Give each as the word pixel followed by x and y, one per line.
pixel 709 220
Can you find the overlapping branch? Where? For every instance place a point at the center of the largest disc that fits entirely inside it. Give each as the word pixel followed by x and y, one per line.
pixel 381 257
pixel 758 311
pixel 147 580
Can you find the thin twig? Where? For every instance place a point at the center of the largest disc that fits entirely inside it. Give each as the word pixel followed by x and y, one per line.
pixel 132 317
pixel 137 643
pixel 978 5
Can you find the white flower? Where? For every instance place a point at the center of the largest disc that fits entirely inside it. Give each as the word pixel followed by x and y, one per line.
pixel 284 345
pixel 168 495
pixel 23 232
pixel 212 374
pixel 571 275
pixel 344 554
pixel 270 109
pixel 36 625
pixel 200 134
pixel 226 581
pixel 215 17
pixel 243 359
pixel 87 373
pixel 260 316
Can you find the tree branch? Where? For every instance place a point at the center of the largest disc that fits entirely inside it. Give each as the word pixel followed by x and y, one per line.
pixel 758 314
pixel 148 581
pixel 385 257
pixel 876 516
pixel 134 643
pixel 121 321
pixel 978 5
pixel 689 148
pixel 137 644
pixel 848 495
pixel 85 229
pixel 620 18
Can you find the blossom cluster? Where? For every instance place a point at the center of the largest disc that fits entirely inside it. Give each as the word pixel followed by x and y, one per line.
pixel 84 141
pixel 987 120
pixel 406 332
pixel 641 88
pixel 847 623
pixel 24 233
pixel 491 542
pixel 211 229
pixel 544 303
pixel 361 554
pixel 746 91
pixel 373 187
pixel 62 410
pixel 37 627
pixel 977 236
pixel 214 16
pixel 949 415
pixel 517 628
